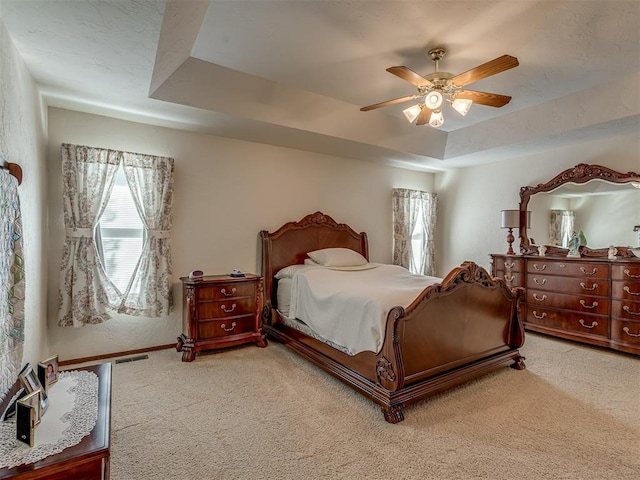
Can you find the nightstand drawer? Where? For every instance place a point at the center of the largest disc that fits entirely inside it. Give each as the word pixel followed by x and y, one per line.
pixel 227 326
pixel 226 308
pixel 224 291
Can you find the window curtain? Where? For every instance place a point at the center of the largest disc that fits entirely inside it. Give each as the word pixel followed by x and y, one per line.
pixel 429 217
pixel 86 294
pixel 12 283
pixel 406 206
pixel 561 227
pixel 150 179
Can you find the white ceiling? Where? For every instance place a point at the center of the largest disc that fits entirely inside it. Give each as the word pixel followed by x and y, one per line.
pixel 296 72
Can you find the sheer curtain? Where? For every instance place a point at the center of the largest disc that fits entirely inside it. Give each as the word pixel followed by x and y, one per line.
pixel 150 179
pixel 407 205
pixel 86 294
pixel 429 216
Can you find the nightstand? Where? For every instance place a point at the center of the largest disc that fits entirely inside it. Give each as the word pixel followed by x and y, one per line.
pixel 220 311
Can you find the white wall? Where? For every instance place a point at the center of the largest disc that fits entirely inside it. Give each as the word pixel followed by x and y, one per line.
pixel 471 198
pixel 226 191
pixel 22 141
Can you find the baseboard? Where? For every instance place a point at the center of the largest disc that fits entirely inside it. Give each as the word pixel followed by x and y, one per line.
pixel 115 354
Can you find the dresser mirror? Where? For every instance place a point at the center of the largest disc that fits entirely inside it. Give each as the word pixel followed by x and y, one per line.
pixel 601 203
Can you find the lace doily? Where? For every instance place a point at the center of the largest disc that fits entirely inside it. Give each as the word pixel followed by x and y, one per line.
pixel 71 415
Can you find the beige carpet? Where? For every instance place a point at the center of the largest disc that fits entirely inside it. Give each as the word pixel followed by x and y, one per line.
pixel 252 413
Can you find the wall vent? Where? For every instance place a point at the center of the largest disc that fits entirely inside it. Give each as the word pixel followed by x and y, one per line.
pixel 132 359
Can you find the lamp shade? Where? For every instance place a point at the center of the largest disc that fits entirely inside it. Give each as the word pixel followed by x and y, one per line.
pixel 510 219
pixel 412 113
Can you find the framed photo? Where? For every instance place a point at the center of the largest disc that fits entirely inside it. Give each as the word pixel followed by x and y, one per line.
pixel 25 423
pixel 31 383
pixel 32 400
pixel 48 372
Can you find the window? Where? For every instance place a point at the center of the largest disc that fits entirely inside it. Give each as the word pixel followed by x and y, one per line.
pixel 418 242
pixel 120 234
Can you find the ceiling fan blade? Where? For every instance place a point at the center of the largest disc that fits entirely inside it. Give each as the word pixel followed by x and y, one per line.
pixel 389 102
pixel 424 117
pixel 410 76
pixel 484 98
pixel 485 70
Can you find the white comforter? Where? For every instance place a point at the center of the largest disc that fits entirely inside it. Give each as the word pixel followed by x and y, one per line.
pixel 350 307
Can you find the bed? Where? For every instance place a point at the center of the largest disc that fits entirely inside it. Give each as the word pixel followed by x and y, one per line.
pixel 455 330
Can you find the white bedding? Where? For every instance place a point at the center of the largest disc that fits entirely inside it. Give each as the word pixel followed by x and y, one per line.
pixel 349 307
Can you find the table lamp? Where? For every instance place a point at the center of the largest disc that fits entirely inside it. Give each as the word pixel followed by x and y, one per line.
pixel 510 220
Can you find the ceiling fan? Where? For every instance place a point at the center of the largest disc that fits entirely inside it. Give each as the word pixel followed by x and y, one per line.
pixel 437 87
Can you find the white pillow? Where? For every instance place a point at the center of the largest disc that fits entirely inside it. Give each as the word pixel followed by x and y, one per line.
pixel 290 271
pixel 337 257
pixel 308 261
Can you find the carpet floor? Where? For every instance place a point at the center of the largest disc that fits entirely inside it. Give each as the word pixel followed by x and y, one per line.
pixel 254 413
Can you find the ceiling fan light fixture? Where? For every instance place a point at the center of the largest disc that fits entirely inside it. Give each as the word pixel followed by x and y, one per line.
pixel 437 119
pixel 462 105
pixel 433 99
pixel 412 112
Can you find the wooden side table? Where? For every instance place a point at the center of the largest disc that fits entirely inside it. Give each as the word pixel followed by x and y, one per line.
pixel 89 459
pixel 220 311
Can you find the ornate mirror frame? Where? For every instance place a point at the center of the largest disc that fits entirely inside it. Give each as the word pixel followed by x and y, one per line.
pixel 581 173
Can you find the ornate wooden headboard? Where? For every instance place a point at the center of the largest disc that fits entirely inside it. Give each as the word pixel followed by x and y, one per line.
pixel 290 243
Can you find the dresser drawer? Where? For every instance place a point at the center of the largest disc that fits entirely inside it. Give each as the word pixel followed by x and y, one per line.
pixel 572 321
pixel 580 303
pixel 226 308
pixel 569 268
pixel 224 291
pixel 625 309
pixel 585 286
pixel 625 290
pixel 627 332
pixel 225 327
pixel 626 271
pixel 512 279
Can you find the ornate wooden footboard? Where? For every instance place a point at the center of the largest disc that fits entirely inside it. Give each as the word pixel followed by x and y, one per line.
pixel 455 331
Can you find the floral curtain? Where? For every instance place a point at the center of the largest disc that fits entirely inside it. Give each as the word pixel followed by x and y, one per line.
pixel 407 205
pixel 12 283
pixel 150 179
pixel 86 294
pixel 561 227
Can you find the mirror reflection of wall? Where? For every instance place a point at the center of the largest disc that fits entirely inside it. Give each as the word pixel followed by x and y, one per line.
pixel 605 217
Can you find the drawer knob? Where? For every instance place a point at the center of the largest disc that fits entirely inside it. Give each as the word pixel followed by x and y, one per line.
pixel 539 317
pixel 509 264
pixel 627 272
pixel 227 294
pixel 224 308
pixel 584 270
pixel 540 299
pixel 584 304
pixel 628 290
pixel 535 265
pixel 594 324
pixel 627 309
pixel 539 282
pixel 626 330
pixel 224 327
pixel 584 286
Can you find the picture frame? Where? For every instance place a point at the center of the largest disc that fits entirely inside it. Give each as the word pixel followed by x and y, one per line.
pixel 48 372
pixel 32 400
pixel 26 419
pixel 31 383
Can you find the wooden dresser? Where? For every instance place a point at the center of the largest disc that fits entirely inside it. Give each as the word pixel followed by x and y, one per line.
pixel 87 460
pixel 591 300
pixel 220 311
